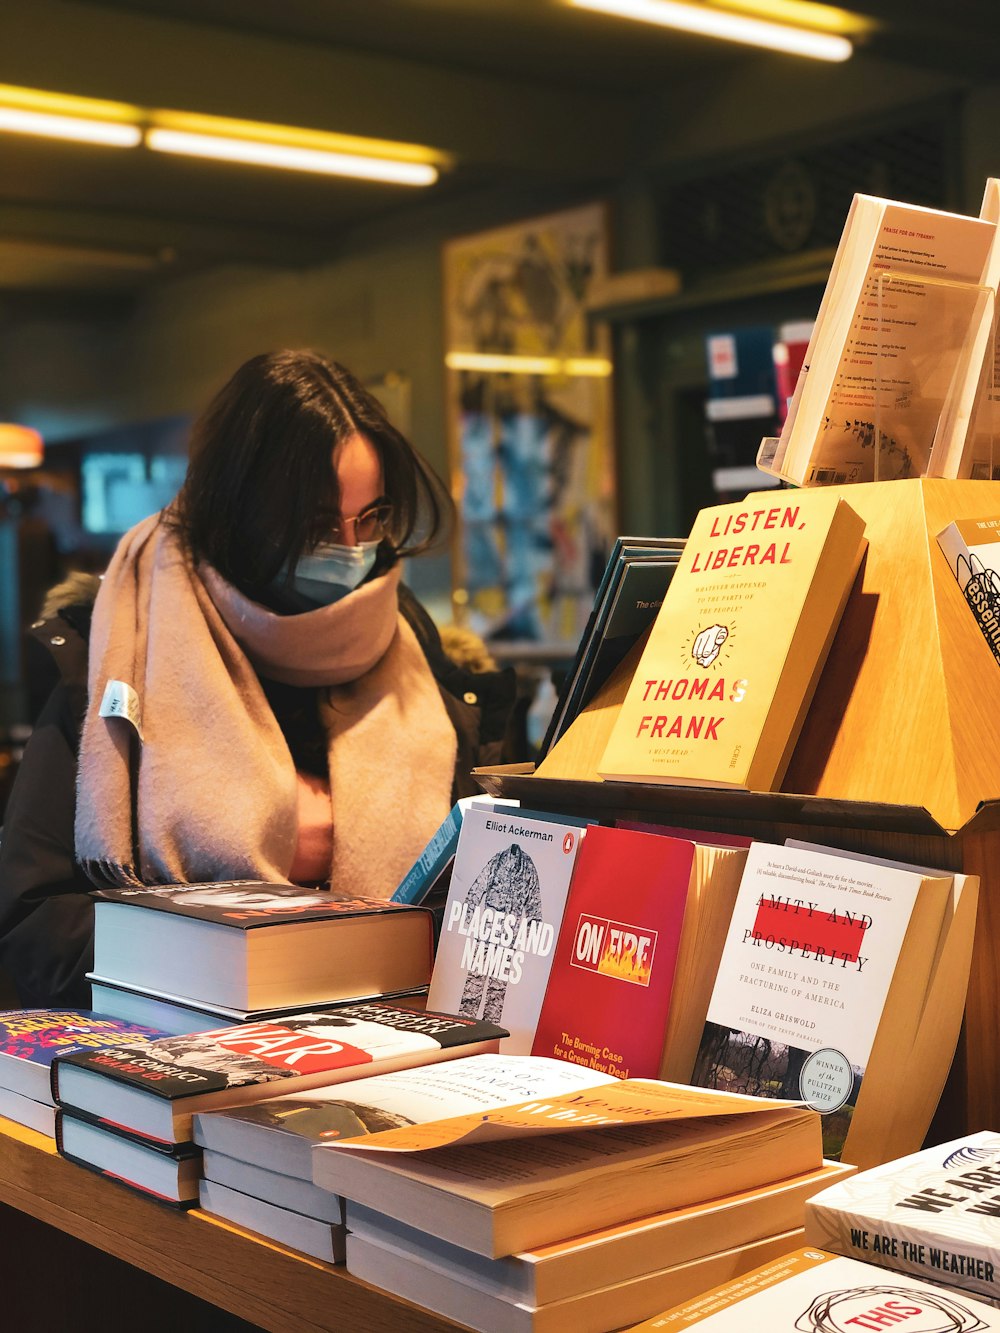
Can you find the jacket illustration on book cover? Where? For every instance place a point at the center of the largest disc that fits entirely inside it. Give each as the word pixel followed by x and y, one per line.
pixel 505 905
pixel 295 1046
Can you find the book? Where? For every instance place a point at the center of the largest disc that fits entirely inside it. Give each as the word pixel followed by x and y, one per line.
pixel 30 1039
pixel 153 1088
pixel 39 1116
pixel 281 1134
pixel 811 1291
pixel 820 989
pixel 742 402
pixel 734 656
pixel 530 1174
pixel 252 945
pixel 448 1289
pixel 883 351
pixel 625 992
pixel 310 1235
pixel 964 444
pixel 634 598
pixel 616 1254
pixel 789 352
pixel 932 1214
pixel 915 1100
pixel 175 1015
pixel 628 597
pixel 425 875
pixel 972 548
pixel 505 905
pixel 171 1176
pixel 284 1191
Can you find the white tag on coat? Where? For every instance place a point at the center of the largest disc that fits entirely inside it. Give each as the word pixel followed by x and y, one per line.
pixel 121 700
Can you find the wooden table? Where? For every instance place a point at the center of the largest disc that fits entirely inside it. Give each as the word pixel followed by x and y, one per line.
pixel 272 1287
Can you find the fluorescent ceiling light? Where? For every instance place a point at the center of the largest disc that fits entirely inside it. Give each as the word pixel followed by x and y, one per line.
pixel 290 157
pixel 111 134
pixel 711 22
pixel 292 148
pixel 528 365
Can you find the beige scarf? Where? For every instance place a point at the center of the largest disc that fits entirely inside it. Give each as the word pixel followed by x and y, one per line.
pixel 209 791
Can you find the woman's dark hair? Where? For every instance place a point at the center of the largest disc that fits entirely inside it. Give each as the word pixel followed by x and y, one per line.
pixel 260 489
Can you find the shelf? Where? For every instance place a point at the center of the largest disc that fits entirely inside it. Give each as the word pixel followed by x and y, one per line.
pixel 264 1283
pixel 679 804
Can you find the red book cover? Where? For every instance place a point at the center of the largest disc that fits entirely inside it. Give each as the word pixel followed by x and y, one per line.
pixel 608 995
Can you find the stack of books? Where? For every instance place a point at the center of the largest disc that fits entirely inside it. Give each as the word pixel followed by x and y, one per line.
pixel 258 1159
pixel 30 1039
pixel 628 597
pixel 195 957
pixel 579 1210
pixel 127 1113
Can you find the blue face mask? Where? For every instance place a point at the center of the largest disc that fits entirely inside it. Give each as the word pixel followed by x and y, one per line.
pixel 330 572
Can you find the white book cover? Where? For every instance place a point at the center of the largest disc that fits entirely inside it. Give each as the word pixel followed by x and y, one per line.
pixel 808 961
pixel 479 1083
pixel 282 1133
pixel 972 548
pixel 935 1214
pixel 810 1291
pixel 883 353
pixel 501 922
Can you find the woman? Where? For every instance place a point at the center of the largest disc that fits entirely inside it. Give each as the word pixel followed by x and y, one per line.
pixel 256 696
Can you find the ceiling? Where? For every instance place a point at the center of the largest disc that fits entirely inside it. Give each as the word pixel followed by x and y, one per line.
pixel 522 93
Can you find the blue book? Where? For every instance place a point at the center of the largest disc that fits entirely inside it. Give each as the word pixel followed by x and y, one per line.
pixel 437 856
pixel 30 1039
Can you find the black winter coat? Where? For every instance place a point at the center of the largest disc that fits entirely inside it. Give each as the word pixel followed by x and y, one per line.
pixel 46 908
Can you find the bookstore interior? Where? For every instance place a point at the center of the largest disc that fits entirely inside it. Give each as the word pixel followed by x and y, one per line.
pixel 466 470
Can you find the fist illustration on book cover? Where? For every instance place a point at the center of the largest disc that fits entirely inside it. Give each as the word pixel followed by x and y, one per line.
pixel 708 644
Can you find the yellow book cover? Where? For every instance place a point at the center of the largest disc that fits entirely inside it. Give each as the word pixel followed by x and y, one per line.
pixel 736 650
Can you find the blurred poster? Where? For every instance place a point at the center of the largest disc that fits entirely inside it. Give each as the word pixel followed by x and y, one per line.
pixel 529 405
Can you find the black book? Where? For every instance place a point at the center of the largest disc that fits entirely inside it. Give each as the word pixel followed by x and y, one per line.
pixel 628 597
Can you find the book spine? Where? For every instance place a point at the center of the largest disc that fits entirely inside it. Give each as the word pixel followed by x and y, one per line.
pixel 182 1204
pixel 431 862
